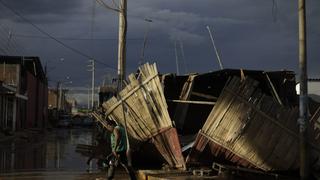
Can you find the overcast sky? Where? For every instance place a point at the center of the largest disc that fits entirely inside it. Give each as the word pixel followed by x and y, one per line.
pixel 249 34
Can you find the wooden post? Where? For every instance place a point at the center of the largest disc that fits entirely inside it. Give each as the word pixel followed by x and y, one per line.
pixel 122 40
pixel 122 62
pixel 303 105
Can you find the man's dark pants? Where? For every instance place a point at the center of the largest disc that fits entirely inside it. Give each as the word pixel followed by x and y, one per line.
pixel 122 159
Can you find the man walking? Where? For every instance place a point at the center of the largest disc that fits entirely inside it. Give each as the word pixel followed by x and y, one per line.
pixel 119 150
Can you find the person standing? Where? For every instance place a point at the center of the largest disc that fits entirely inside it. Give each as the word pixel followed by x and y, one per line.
pixel 119 150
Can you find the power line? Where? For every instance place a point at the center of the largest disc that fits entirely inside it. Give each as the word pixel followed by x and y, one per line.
pixel 70 39
pixel 44 32
pixel 51 37
pixel 7 30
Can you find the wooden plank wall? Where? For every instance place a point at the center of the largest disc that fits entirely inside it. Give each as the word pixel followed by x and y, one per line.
pixel 254 127
pixel 144 103
pixel 144 107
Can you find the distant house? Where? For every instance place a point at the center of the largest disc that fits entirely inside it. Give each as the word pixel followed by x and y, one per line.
pixel 24 93
pixel 52 98
pixel 58 100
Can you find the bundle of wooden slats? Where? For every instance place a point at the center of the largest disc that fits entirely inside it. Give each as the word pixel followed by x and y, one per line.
pixel 250 128
pixel 142 108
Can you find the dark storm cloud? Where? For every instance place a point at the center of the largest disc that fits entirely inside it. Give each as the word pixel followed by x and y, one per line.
pixel 249 34
pixel 42 11
pixel 40 7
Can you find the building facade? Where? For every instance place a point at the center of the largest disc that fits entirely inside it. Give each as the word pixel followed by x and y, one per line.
pixel 24 93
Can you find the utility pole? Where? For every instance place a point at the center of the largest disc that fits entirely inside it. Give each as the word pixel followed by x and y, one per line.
pixel 92 69
pixel 215 49
pixel 88 100
pixel 122 41
pixel 303 98
pixel 61 95
pixel 92 83
pixel 122 63
pixel 58 95
pixel 177 60
pixel 58 98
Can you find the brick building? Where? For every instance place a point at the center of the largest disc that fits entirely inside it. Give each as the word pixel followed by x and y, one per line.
pixel 24 93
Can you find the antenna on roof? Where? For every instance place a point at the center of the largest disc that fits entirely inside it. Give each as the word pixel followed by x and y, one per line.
pixel 177 59
pixel 215 49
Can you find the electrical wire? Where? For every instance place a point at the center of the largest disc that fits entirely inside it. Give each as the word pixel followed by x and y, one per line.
pixel 107 6
pixel 115 4
pixel 52 37
pixel 69 39
pixel 13 45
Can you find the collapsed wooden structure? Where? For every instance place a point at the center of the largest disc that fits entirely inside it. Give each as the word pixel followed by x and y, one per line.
pixel 141 108
pixel 191 97
pixel 252 123
pixel 249 128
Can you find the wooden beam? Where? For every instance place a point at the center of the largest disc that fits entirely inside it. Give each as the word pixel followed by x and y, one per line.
pixel 193 102
pixel 274 92
pixel 204 95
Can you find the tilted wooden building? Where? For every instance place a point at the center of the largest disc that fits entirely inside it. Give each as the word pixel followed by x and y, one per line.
pixel 205 88
pixel 252 129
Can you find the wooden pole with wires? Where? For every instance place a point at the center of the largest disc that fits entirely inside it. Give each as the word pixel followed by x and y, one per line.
pixel 122 40
pixel 303 104
pixel 122 64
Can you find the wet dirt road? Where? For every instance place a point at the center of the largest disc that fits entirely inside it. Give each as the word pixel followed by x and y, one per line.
pixel 49 157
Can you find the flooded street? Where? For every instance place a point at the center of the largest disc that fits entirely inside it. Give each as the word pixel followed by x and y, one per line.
pixel 50 156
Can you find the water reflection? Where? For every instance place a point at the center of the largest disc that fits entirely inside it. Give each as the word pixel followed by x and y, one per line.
pixel 55 151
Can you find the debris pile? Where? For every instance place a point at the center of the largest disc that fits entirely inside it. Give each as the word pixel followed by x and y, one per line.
pixel 245 118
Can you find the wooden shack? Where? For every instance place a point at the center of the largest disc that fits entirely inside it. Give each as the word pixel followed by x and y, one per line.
pixel 251 129
pixel 191 97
